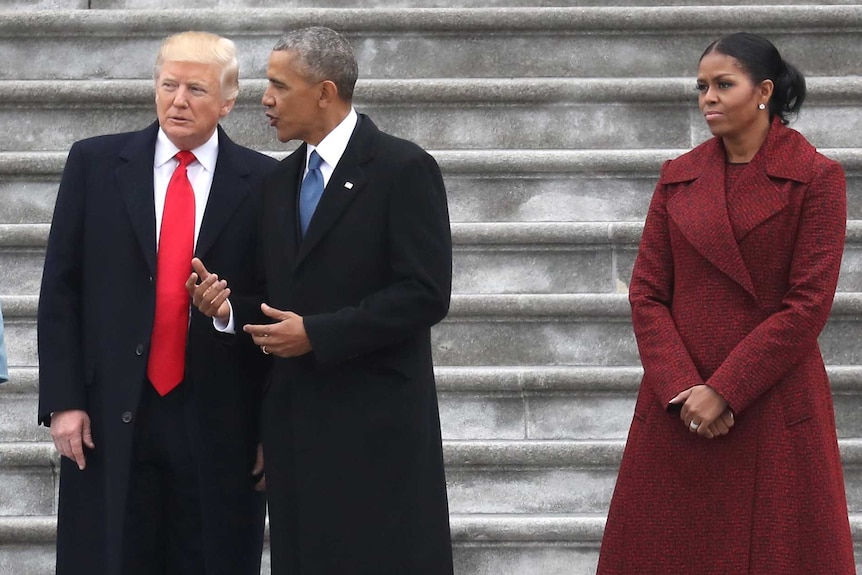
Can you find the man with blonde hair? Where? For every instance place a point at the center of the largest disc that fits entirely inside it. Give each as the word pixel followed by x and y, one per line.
pixel 154 411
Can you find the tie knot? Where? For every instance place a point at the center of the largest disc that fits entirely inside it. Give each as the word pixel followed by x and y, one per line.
pixel 314 161
pixel 185 158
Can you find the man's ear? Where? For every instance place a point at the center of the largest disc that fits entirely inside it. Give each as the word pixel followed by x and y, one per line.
pixel 328 93
pixel 226 107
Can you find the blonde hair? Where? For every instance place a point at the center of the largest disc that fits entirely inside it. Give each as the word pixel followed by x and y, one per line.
pixel 203 48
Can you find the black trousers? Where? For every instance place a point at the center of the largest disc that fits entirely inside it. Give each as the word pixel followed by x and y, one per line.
pixel 162 533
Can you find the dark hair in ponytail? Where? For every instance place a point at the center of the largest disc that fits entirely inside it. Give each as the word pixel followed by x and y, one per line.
pixel 760 58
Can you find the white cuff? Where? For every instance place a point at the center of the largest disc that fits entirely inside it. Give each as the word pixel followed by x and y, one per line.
pixel 228 326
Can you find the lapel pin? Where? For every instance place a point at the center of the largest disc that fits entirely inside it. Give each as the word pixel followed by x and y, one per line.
pixel 348 185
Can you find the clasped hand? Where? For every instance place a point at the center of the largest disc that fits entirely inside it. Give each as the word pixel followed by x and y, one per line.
pixel 707 409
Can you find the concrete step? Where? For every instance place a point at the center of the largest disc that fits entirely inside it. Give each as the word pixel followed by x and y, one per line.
pixel 445 42
pixel 483 185
pixel 484 543
pixel 495 403
pixel 487 544
pixel 438 113
pixel 489 258
pixel 515 330
pixel 378 4
pixel 511 477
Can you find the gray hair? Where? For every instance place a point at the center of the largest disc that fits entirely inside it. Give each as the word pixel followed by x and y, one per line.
pixel 323 54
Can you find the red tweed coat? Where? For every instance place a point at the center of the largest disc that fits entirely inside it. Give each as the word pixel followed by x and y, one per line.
pixel 732 290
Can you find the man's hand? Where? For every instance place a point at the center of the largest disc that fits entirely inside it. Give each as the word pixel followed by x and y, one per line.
pixel 258 470
pixel 287 338
pixel 209 296
pixel 703 406
pixel 70 431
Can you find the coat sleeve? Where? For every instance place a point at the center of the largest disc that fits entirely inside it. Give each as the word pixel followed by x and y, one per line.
pixel 419 247
pixel 59 320
pixel 668 367
pixel 775 346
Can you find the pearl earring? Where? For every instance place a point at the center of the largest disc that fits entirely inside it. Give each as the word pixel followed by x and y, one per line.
pixel 761 106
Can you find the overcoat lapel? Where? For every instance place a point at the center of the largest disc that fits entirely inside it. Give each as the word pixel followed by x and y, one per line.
pixel 286 233
pixel 759 194
pixel 699 210
pixel 229 189
pixel 135 182
pixel 755 200
pixel 347 181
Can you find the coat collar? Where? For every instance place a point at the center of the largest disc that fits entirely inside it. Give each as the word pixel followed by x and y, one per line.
pixel 700 208
pixel 135 181
pixel 348 180
pixel 229 189
pixel 346 183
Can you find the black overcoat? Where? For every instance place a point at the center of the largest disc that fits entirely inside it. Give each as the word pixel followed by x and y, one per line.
pixel 351 431
pixel 95 317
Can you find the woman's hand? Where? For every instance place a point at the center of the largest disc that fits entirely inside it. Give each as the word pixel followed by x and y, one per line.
pixel 704 411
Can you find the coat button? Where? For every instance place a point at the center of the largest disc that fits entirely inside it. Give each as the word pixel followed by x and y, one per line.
pixel 140 349
pixel 127 417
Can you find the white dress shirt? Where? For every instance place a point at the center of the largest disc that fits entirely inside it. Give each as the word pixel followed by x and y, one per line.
pixel 330 149
pixel 200 174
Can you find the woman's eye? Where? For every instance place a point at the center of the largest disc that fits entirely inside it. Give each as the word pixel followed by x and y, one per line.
pixel 700 87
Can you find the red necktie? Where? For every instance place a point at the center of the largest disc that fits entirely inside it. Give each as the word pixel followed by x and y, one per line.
pixel 166 367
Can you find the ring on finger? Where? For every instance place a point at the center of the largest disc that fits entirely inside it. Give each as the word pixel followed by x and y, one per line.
pixel 693 426
pixel 263 349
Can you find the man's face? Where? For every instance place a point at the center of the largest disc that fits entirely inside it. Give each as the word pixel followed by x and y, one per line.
pixel 293 103
pixel 189 102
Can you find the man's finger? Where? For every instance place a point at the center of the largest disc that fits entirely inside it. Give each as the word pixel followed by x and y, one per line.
pixel 220 298
pixel 273 312
pixel 256 330
pixel 88 435
pixel 198 266
pixel 77 450
pixel 191 283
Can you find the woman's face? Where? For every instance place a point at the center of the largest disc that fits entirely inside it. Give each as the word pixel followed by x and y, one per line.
pixel 728 98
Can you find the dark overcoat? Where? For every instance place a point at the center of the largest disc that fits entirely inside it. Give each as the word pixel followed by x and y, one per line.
pixel 96 311
pixel 352 443
pixel 733 291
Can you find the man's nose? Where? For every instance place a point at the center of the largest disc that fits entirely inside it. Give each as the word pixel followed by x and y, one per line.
pixel 181 99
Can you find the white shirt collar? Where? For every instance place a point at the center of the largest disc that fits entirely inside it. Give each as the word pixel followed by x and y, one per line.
pixel 332 147
pixel 206 154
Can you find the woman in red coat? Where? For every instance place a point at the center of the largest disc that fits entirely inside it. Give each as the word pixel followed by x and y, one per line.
pixel 732 464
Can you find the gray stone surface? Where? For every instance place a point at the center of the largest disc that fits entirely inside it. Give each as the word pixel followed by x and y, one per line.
pixel 576 126
pixel 18 418
pixel 483 185
pixel 461 42
pixel 437 114
pixel 27 559
pixel 43 4
pixel 383 4
pixel 20 336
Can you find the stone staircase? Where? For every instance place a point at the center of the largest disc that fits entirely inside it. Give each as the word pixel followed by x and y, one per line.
pixel 550 125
